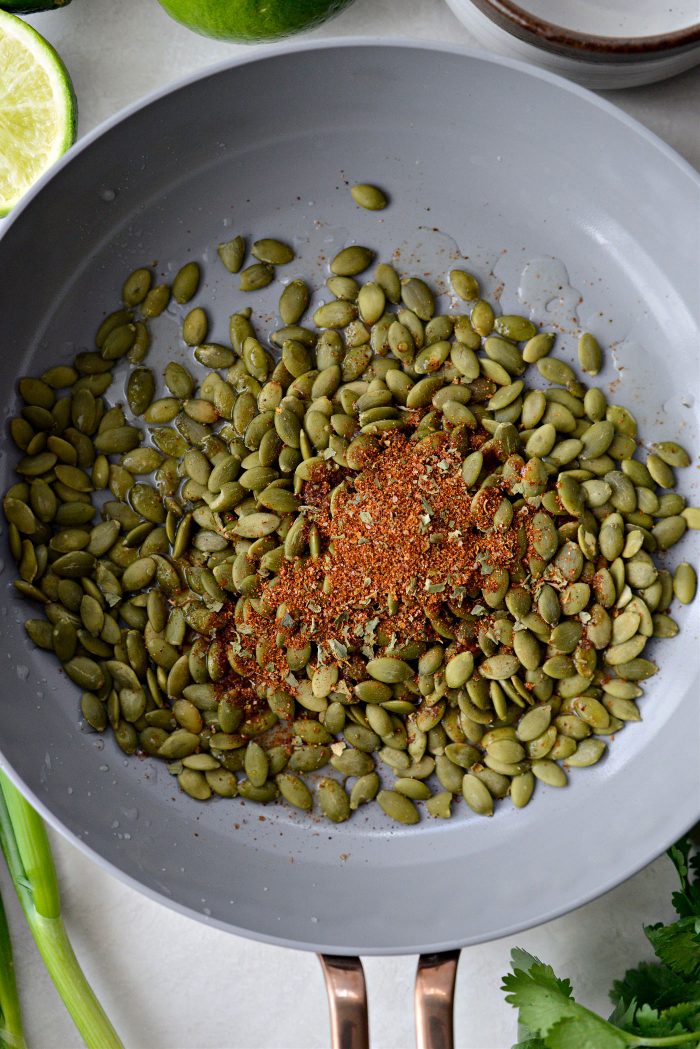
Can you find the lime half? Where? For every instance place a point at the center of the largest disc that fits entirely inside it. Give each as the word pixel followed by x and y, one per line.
pixel 37 108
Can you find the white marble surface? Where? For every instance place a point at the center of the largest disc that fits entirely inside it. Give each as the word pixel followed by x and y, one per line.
pixel 167 981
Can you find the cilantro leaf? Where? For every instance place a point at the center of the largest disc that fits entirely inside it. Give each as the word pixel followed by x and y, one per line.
pixel 521 959
pixel 541 1006
pixel 622 1015
pixel 677 945
pixel 542 998
pixel 653 984
pixel 687 900
pixel 680 1019
pixel 526 1039
pixel 586 1031
pixel 656 1003
pixel 687 1014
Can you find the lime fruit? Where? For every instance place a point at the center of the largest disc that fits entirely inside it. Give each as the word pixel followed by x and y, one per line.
pixel 249 21
pixel 37 108
pixel 31 7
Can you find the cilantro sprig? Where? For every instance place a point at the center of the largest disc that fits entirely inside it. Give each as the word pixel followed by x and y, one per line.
pixel 655 1004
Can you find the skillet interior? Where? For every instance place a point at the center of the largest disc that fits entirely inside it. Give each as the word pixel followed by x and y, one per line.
pixel 478 155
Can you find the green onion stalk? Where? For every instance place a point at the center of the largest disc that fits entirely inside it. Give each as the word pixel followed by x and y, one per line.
pixel 26 848
pixel 11 1032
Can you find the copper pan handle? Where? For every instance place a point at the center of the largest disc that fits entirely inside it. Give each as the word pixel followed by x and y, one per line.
pixel 347 1000
pixel 434 1000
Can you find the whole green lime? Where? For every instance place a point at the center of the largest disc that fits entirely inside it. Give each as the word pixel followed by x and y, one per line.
pixel 30 7
pixel 249 21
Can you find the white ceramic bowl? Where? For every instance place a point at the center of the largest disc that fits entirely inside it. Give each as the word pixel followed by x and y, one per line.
pixel 597 43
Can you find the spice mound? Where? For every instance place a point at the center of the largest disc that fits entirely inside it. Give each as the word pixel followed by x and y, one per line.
pixel 400 552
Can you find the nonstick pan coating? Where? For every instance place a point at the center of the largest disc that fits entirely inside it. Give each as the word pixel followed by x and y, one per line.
pixel 511 165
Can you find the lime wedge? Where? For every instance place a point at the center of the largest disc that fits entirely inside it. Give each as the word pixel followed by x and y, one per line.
pixel 37 108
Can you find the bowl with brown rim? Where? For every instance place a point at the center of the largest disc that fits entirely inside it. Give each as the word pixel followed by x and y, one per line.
pixel 597 44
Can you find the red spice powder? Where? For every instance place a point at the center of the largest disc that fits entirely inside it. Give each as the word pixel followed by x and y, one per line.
pixel 406 529
pixel 406 541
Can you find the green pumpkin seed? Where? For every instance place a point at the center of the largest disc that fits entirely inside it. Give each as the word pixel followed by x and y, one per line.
pixel 263 795
pixel 179 745
pixel 140 390
pixel 126 737
pixel 660 471
pixel 538 346
pixel 555 371
pixel 256 764
pixel 293 302
pixel 232 253
pixel 86 673
pixel 389 670
pixel 194 784
pixel 672 454
pixel 134 291
pixel 471 468
pixel 353 763
pixel 364 790
pixel 521 789
pixel 588 752
pixel 637 669
pixel 482 318
pixel 294 791
pixel 274 252
pixel 459 670
pixel 449 775
pixel 417 297
pixel 624 709
pixel 371 301
pixel 412 788
pixel 333 800
pixel 500 667
pixel 222 782
pixel 120 439
pixel 257 276
pixel 351 261
pixel 465 285
pixel 520 329
pixel 336 314
pixel 668 531
pixel 369 197
pixel 156 301
pixel 477 795
pixel 398 807
pixel 343 287
pixel 186 282
pixel 20 515
pixel 549 772
pixel 439 806
pixel 362 738
pixel 93 711
pixel 257 525
pixel 195 327
pixel 590 354
pixel 685 583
